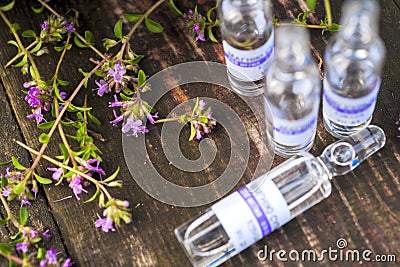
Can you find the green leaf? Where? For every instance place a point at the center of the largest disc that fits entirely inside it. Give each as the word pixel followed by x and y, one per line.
pixel 108 43
pixel 79 43
pixel 174 8
pixel 59 48
pixel 8 7
pixel 16 164
pixel 3 222
pixel 62 83
pixel 153 26
pixel 23 216
pixel 141 78
pixel 22 62
pixel 132 17
pixel 64 151
pixel 42 180
pixel 211 35
pixel 37 10
pixel 5 249
pixel 37 47
pixel 44 138
pixel 196 106
pixel 311 4
pixel 192 132
pixel 12 42
pixel 19 188
pixel 334 27
pixel 118 29
pixel 209 13
pixel 5 163
pixel 93 118
pixel 115 184
pixel 41 252
pixel 89 37
pixel 46 125
pixel 28 33
pixel 4 181
pixel 16 27
pixel 94 196
pixel 112 177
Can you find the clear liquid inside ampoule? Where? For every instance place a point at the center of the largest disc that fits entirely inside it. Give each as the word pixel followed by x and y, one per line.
pixel 302 181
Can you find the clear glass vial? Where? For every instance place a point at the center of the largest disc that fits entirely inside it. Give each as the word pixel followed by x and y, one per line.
pixel 248 41
pixel 292 93
pixel 244 217
pixel 353 64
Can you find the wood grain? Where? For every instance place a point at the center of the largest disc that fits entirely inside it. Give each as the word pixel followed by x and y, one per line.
pixel 364 207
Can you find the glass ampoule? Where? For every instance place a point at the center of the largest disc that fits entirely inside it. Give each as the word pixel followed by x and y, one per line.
pixel 247 215
pixel 292 92
pixel 248 42
pixel 354 59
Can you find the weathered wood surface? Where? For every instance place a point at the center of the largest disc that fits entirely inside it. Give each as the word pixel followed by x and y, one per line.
pixel 364 207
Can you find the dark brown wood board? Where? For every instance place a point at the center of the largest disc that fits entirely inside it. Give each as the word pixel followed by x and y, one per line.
pixel 364 207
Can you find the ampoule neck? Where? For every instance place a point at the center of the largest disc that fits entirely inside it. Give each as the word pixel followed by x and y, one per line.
pixel 359 24
pixel 292 48
pixel 345 155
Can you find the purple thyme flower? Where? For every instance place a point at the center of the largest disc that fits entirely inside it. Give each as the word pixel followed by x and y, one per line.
pixel 6 192
pixel 196 27
pixel 116 103
pixel 117 119
pixel 118 72
pixel 63 95
pixel 135 126
pixel 25 202
pixel 22 247
pixel 37 114
pixel 35 191
pixel 67 263
pixel 76 186
pixel 202 104
pixel 51 256
pixel 43 263
pixel 88 166
pixel 106 224
pixel 70 27
pixel 57 173
pixel 46 234
pixel 34 233
pixel 200 37
pixel 45 25
pixel 31 97
pixel 102 87
pixel 152 117
pixel 26 85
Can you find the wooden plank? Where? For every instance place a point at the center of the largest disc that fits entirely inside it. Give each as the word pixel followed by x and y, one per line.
pixel 364 205
pixel 39 213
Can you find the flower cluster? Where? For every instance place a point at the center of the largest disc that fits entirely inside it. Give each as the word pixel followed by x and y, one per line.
pixel 53 28
pixel 12 188
pixel 115 211
pixel 39 99
pixel 51 259
pixel 201 120
pixel 196 24
pixel 134 111
pixel 77 182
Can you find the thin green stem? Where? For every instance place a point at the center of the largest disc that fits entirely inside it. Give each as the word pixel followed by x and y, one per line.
pixel 20 54
pixel 60 164
pixel 310 26
pixel 167 120
pixel 12 257
pixel 9 214
pixel 76 33
pixel 21 46
pixel 328 12
pixel 56 104
pixel 58 119
pixel 137 24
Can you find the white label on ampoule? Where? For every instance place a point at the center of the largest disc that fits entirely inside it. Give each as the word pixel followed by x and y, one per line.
pixel 247 215
pixel 349 111
pixel 249 65
pixel 295 132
